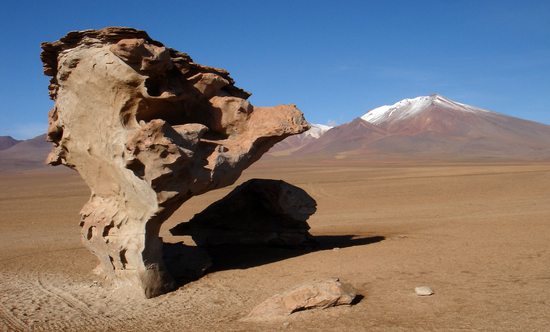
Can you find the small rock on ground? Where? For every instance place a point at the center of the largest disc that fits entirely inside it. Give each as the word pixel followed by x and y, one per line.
pixel 423 291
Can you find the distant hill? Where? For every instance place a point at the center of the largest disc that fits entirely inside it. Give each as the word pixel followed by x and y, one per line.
pixel 290 144
pixel 7 142
pixel 26 154
pixel 435 128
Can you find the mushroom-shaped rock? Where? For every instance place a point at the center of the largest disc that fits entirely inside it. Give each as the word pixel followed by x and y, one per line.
pixel 147 129
pixel 259 211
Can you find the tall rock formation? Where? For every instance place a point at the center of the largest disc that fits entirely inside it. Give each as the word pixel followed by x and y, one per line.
pixel 147 129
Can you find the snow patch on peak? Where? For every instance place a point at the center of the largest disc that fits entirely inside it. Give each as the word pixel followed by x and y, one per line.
pixel 321 126
pixel 456 105
pixel 401 109
pixel 317 130
pixel 409 107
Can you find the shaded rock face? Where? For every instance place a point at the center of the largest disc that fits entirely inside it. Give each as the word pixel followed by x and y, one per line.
pixel 259 211
pixel 320 294
pixel 147 129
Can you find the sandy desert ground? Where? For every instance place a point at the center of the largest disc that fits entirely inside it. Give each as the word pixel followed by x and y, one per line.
pixel 478 234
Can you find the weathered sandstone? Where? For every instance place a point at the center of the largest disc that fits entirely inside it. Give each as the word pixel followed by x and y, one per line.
pixel 147 129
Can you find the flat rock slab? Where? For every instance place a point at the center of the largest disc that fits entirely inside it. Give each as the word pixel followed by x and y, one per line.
pixel 313 295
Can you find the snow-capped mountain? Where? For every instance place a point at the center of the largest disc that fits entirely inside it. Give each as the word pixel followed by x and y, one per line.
pixel 407 108
pixel 433 127
pixel 437 114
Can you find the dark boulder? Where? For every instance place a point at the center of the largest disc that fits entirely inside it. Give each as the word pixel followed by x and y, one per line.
pixel 259 211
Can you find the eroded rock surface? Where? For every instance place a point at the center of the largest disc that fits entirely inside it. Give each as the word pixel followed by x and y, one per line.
pixel 259 211
pixel 314 295
pixel 147 129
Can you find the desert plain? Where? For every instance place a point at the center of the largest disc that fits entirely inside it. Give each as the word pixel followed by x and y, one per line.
pixel 476 233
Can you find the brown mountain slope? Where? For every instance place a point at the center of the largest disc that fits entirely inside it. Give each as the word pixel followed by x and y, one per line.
pixel 355 135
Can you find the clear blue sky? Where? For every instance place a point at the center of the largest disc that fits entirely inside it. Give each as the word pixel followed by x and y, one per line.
pixel 334 59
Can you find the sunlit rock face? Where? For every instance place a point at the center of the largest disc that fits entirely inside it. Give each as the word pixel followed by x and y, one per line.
pixel 147 129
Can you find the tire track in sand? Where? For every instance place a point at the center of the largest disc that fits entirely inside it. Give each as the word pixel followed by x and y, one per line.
pixel 89 319
pixel 11 321
pixel 65 297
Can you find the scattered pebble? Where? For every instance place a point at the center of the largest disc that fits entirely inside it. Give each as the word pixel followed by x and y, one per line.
pixel 423 291
pixel 335 249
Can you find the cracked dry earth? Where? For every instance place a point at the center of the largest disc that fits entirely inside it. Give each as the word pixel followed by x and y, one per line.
pixel 476 234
